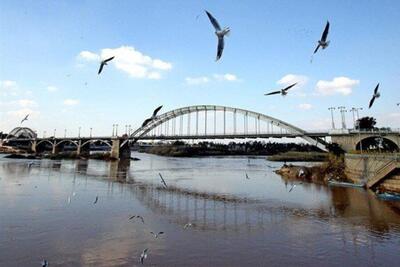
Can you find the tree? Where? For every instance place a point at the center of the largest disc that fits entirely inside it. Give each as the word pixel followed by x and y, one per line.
pixel 366 123
pixel 335 149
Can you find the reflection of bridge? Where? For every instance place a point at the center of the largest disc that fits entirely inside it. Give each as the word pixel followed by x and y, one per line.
pixel 199 122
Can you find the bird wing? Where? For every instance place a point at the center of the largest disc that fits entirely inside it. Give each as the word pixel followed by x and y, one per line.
pixel 146 122
pixel 156 111
pixel 101 67
pixel 162 180
pixel 220 48
pixel 290 86
pixel 152 232
pixel 371 102
pixel 290 190
pixel 141 218
pixel 273 93
pixel 325 33
pixel 130 218
pixel 316 49
pixel 376 89
pixel 108 59
pixel 160 233
pixel 214 22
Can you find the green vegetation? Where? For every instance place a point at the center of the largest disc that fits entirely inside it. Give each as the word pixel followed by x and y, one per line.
pixel 299 156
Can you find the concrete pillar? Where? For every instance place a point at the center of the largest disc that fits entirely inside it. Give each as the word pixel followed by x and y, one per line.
pixel 54 150
pixel 33 147
pixel 78 148
pixel 115 148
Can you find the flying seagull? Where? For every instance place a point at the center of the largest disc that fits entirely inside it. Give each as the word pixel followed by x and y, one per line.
pixel 220 34
pixel 323 42
pixel 283 91
pixel 25 119
pixel 147 121
pixel 97 199
pixel 163 181
pixel 398 104
pixel 247 177
pixel 137 216
pixel 104 62
pixel 188 225
pixel 45 263
pixel 156 235
pixel 376 95
pixel 143 256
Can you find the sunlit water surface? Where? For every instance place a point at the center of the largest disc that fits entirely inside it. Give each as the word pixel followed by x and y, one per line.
pixel 47 211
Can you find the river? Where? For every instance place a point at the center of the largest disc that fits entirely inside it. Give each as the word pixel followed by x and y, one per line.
pixel 48 211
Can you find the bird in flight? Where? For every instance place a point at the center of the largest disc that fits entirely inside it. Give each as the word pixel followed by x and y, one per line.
pixel 103 63
pixel 188 225
pixel 220 34
pixel 247 177
pixel 147 121
pixel 137 216
pixel 25 119
pixel 156 235
pixel 293 187
pixel 45 263
pixel 162 180
pixel 375 95
pixel 283 91
pixel 323 42
pixel 97 199
pixel 143 256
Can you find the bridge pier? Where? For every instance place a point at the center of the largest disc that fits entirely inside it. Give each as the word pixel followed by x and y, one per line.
pixel 33 146
pixel 118 152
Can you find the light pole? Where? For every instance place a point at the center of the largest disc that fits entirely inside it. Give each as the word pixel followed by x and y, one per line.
pixel 342 111
pixel 54 133
pixel 333 121
pixel 116 130
pixel 126 128
pixel 79 132
pixel 65 133
pixel 353 110
pixel 91 132
pixel 129 129
pixel 44 134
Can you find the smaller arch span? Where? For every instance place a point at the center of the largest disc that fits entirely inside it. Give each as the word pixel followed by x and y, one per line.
pixel 67 141
pixel 96 140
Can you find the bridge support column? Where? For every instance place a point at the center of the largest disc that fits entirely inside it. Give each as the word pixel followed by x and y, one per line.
pixel 54 150
pixel 33 146
pixel 118 152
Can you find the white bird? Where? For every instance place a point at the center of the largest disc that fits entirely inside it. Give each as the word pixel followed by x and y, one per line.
pixel 143 256
pixel 163 181
pixel 188 225
pixel 147 121
pixel 25 119
pixel 323 42
pixel 103 63
pixel 375 95
pixel 220 34
pixel 156 235
pixel 45 263
pixel 30 163
pixel 283 91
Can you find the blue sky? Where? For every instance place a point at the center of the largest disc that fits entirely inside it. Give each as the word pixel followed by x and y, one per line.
pixel 166 57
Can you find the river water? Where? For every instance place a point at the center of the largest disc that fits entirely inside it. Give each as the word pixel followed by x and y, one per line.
pixel 47 211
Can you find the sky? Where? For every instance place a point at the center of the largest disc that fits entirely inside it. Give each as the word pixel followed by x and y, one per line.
pixel 165 55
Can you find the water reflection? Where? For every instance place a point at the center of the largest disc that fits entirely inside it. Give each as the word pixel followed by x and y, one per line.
pixel 242 219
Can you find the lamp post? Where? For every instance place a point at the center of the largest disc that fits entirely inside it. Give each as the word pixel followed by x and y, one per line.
pixel 116 130
pixel 91 132
pixel 333 121
pixel 54 133
pixel 79 132
pixel 65 133
pixel 44 134
pixel 129 129
pixel 342 111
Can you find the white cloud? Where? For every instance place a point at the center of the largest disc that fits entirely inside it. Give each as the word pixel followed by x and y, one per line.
pixel 226 77
pixel 25 103
pixel 8 84
pixel 87 55
pixel 52 88
pixel 339 85
pixel 130 61
pixel 305 106
pixel 20 113
pixel 289 79
pixel 71 102
pixel 197 80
